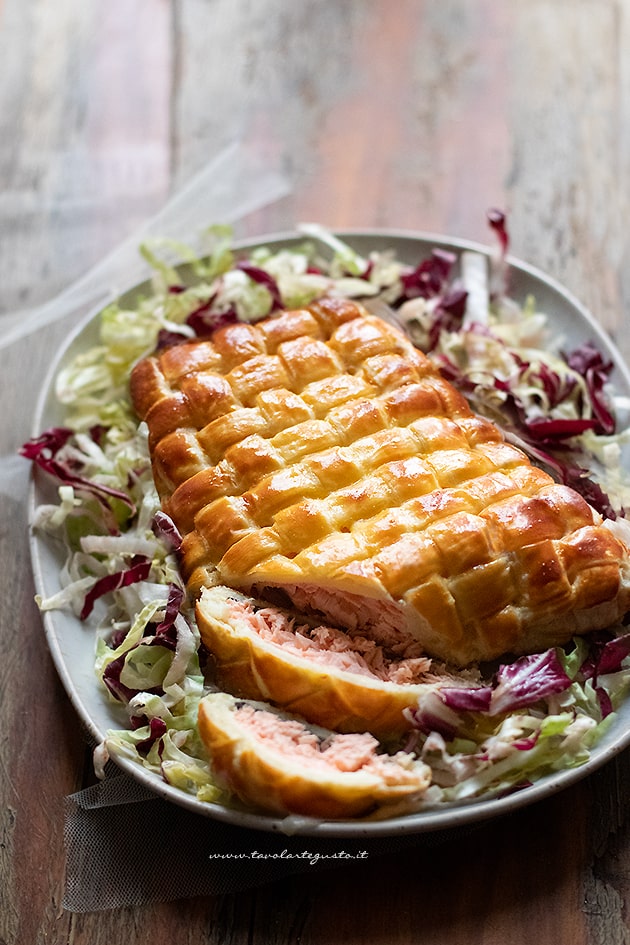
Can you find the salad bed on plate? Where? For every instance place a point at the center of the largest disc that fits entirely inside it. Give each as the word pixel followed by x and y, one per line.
pixel 539 713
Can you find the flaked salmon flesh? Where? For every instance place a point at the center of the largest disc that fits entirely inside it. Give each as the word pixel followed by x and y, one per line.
pixel 344 753
pixel 350 652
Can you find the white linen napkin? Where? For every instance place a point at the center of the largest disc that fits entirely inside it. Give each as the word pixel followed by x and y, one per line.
pixel 234 184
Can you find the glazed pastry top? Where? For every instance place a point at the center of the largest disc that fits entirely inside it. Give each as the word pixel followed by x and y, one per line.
pixel 320 450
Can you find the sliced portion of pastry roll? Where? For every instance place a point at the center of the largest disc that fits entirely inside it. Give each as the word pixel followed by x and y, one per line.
pixel 277 763
pixel 339 680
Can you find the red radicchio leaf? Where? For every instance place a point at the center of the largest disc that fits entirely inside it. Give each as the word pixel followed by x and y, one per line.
pixel 43 451
pixel 165 632
pixel 606 656
pixel 164 635
pixel 138 571
pixel 97 433
pixel 166 339
pixel 587 357
pixel 589 489
pixel 164 528
pixel 528 680
pixel 157 728
pixel 430 277
pixel 263 278
pixel 613 654
pixel 204 321
pixel 111 678
pixel 467 699
pixel 516 685
pixel 450 372
pixel 447 317
pixel 588 361
pixel 174 602
pixel 499 279
pixel 549 430
pixel 433 715
pixel 605 704
pixel 568 474
pixel 498 221
pixel 455 304
pixel 367 272
pixel 555 387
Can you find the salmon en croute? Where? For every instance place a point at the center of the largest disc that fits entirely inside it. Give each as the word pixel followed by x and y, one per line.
pixel 317 460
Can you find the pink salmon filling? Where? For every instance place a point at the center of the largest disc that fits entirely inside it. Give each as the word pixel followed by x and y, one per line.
pixel 343 753
pixel 383 620
pixel 401 663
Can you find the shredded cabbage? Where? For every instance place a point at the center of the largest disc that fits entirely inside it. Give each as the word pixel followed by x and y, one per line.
pixel 488 737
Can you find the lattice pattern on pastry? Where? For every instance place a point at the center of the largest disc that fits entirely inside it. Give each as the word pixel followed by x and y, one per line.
pixel 320 446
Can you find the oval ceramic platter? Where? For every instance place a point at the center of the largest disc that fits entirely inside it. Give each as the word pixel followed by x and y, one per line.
pixel 72 643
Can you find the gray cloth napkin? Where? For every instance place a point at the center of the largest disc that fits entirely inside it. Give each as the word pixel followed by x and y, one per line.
pixel 126 846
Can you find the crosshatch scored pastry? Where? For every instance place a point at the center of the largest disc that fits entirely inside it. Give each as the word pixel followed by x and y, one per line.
pixel 319 457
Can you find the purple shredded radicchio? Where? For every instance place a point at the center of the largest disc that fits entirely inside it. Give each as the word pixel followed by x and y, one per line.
pixel 604 701
pixel 605 656
pixel 499 268
pixel 526 744
pixel 465 699
pixel 164 635
pixel 137 571
pixel 164 528
pixel 589 363
pixel 549 430
pixel 44 451
pixel 167 338
pixel 557 388
pixel 97 433
pixel 263 278
pixel 590 490
pixel 528 680
pixel 430 278
pixel 447 316
pixel 516 686
pixel 111 678
pixel 167 626
pixel 433 715
pixel 204 321
pixel 157 728
pixel 497 220
pixel 538 438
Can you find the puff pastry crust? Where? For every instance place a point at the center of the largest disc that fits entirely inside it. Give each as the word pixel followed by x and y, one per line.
pixel 276 763
pixel 319 452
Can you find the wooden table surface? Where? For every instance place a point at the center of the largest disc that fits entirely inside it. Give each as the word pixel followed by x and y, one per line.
pixel 412 114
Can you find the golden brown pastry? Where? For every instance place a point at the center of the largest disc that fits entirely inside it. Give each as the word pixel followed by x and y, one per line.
pixel 318 453
pixel 342 681
pixel 273 761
